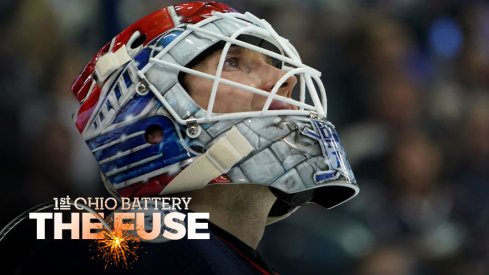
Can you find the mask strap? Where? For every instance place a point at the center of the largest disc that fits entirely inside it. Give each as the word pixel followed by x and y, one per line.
pixel 219 159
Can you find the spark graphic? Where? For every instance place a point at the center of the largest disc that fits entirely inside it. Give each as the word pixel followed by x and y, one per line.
pixel 117 247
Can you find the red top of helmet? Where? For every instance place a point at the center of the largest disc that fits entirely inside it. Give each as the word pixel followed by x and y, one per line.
pixel 87 90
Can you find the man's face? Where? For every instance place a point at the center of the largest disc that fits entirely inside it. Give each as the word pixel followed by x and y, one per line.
pixel 243 66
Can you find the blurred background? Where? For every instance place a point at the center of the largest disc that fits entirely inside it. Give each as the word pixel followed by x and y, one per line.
pixel 408 89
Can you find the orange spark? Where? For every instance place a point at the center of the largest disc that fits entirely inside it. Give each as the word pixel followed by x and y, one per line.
pixel 117 247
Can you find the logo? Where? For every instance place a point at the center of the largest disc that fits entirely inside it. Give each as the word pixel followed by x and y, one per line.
pixel 131 220
pixel 333 152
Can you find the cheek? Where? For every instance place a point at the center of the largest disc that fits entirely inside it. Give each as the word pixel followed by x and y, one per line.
pixel 230 99
pixel 198 88
pixel 197 85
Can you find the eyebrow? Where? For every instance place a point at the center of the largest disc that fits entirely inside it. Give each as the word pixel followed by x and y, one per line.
pixel 234 49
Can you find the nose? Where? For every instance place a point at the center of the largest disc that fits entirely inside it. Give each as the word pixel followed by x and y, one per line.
pixel 270 74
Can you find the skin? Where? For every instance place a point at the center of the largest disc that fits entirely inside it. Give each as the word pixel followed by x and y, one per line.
pixel 241 210
pixel 243 66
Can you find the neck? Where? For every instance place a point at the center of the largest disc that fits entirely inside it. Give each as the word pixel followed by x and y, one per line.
pixel 241 210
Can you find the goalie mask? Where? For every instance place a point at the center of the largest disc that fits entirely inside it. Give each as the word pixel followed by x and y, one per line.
pixel 133 90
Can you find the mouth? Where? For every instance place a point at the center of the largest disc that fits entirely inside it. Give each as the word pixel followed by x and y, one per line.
pixel 279 105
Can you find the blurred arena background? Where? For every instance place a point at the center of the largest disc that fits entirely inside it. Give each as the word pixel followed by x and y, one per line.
pixel 408 88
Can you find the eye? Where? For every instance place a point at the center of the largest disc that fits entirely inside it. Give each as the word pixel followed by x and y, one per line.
pixel 232 62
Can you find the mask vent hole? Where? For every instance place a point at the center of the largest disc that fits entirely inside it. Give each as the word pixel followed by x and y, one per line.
pixel 138 41
pixel 154 134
